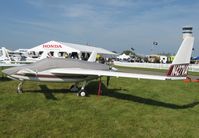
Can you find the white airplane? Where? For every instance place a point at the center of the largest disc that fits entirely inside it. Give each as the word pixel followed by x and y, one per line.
pixel 71 70
pixel 4 56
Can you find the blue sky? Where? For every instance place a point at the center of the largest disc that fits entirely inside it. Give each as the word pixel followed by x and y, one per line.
pixel 116 25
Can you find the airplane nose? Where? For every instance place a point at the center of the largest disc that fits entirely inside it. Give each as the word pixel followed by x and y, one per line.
pixel 9 71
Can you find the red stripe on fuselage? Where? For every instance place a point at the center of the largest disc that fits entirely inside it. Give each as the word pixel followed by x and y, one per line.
pixel 178 70
pixel 54 76
pixel 170 70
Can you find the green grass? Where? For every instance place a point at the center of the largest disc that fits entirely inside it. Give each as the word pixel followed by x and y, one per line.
pixel 128 108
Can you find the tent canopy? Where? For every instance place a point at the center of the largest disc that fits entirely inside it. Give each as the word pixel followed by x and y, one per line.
pixel 69 48
pixel 53 46
pixel 123 56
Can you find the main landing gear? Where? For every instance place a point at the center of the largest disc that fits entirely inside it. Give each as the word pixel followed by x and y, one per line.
pixel 82 92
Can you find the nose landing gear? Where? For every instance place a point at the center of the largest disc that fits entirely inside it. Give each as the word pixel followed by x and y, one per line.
pixel 19 88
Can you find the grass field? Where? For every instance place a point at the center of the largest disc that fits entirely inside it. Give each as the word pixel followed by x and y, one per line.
pixel 128 108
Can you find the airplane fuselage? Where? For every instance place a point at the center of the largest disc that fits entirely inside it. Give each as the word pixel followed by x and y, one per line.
pixel 48 77
pixel 40 71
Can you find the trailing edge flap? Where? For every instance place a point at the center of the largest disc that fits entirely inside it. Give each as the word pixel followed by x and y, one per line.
pixel 26 71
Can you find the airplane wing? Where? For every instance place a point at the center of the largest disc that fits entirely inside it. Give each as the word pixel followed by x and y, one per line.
pixel 9 65
pixel 79 71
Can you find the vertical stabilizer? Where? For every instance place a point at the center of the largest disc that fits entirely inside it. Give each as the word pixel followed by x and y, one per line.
pixel 183 55
pixel 5 52
pixel 181 61
pixel 5 55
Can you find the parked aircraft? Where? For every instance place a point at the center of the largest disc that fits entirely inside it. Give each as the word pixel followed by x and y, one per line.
pixel 11 58
pixel 75 71
pixel 4 56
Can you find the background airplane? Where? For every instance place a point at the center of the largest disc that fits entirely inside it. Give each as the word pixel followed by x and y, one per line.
pixel 4 56
pixel 71 70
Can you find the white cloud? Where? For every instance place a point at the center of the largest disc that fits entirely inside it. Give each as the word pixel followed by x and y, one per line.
pixel 118 3
pixel 35 3
pixel 79 10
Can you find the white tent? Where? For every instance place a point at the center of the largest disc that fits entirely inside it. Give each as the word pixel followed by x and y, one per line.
pixel 53 46
pixel 88 49
pixel 69 48
pixel 123 56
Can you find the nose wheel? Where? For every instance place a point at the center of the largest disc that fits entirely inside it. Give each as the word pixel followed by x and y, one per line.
pixel 19 88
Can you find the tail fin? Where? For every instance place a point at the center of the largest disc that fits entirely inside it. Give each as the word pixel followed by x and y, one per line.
pixel 180 64
pixel 92 57
pixel 5 55
pixel 5 52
